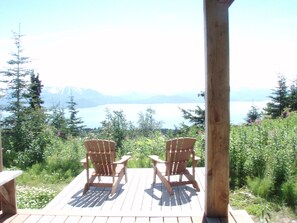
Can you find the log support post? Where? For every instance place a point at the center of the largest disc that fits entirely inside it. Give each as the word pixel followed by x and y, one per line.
pixel 217 107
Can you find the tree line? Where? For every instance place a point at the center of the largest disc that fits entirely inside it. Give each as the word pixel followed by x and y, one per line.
pixel 283 100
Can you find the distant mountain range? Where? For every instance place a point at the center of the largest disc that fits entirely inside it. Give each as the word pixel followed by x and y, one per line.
pixel 92 98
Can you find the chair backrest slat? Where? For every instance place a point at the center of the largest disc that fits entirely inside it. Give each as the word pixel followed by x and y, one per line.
pixel 102 155
pixel 178 152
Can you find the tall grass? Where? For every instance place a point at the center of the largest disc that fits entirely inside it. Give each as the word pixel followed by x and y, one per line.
pixel 263 156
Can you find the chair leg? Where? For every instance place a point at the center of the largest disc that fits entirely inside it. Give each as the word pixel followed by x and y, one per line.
pixel 195 185
pixel 114 188
pixel 165 182
pixel 155 173
pixel 91 180
pixel 180 177
pixel 117 182
pixel 193 181
pixel 125 173
pixel 86 188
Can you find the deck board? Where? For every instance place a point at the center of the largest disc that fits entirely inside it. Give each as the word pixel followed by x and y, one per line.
pixel 46 219
pixel 64 216
pixel 138 195
pixel 139 187
pixel 138 200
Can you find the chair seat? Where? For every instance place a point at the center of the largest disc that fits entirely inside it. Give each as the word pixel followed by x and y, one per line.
pixel 162 168
pixel 118 169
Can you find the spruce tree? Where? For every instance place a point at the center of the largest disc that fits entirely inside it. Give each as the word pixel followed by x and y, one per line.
pixel 58 120
pixel 23 128
pixel 75 124
pixel 35 112
pixel 253 115
pixel 16 78
pixel 35 92
pixel 279 99
pixel 195 116
pixel 293 96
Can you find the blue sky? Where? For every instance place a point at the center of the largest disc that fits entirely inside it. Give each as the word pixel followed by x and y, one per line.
pixel 148 46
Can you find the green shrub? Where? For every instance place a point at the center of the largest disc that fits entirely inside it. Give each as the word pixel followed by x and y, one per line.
pixel 243 198
pixel 260 187
pixel 238 156
pixel 289 193
pixel 140 148
pixel 62 158
pixel 266 153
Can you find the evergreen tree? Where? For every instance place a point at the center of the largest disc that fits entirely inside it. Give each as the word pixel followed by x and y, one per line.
pixel 253 115
pixel 16 78
pixel 23 128
pixel 35 111
pixel 279 99
pixel 74 124
pixel 35 92
pixel 293 96
pixel 58 120
pixel 195 116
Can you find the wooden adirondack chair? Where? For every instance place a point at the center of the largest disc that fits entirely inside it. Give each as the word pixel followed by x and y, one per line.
pixel 179 152
pixel 101 154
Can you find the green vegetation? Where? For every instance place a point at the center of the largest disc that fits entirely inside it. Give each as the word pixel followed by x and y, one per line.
pixel 262 160
pixel 263 167
pixel 263 156
pixel 259 208
pixel 34 197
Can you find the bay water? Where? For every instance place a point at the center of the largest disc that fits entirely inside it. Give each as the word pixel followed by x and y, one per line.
pixel 168 113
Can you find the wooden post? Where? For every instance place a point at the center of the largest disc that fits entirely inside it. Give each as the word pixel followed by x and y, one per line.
pixel 217 107
pixel 8 191
pixel 1 159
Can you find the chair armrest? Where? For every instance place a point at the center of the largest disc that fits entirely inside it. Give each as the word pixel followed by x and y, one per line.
pixel 123 160
pixel 156 159
pixel 8 175
pixel 84 163
pixel 196 158
pixel 195 161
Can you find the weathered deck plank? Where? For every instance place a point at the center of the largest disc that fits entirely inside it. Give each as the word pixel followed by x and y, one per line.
pixel 137 195
pixel 40 216
pixel 136 201
pixel 139 187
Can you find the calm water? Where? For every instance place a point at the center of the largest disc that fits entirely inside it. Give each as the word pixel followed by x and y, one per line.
pixel 169 114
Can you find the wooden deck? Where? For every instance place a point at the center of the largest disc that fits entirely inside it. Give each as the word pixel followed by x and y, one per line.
pixel 135 201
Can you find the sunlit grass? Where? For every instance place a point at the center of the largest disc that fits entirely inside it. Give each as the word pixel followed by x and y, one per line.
pixel 259 208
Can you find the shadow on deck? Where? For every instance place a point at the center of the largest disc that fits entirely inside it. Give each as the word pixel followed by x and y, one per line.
pixel 135 201
pixel 138 195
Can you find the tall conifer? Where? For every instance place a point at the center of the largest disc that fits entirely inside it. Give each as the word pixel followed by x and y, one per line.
pixel 16 78
pixel 75 123
pixel 279 99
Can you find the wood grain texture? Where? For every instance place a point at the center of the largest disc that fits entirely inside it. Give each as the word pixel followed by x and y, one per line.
pixel 217 108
